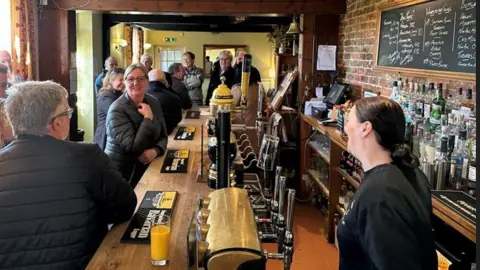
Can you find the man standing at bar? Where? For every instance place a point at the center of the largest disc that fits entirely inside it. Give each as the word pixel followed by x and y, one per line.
pixel 110 63
pixel 56 197
pixel 254 73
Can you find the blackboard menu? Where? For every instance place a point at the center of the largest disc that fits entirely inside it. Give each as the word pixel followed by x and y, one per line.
pixel 434 35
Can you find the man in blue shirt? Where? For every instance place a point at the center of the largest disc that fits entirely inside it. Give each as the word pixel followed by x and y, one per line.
pixel 110 63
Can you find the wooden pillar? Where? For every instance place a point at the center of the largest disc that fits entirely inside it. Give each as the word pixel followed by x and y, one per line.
pixel 305 54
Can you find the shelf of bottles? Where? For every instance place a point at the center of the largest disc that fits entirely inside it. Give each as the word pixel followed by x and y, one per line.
pixel 319 168
pixel 441 132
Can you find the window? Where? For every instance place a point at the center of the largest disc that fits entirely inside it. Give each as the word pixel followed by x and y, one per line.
pixel 167 56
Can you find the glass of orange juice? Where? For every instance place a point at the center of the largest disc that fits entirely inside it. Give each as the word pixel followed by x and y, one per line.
pixel 160 240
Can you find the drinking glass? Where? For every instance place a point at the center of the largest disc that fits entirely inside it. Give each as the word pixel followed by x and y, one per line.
pixel 160 240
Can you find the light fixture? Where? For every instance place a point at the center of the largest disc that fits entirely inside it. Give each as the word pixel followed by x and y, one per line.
pixel 147 46
pixel 122 42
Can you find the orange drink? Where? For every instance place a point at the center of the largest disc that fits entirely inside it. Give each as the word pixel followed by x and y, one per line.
pixel 160 240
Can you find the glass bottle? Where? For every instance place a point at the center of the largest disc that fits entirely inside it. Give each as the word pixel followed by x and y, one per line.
pixel 423 142
pixel 416 142
pixel 427 106
pixel 472 168
pixel 442 166
pixel 438 108
pixel 468 102
pixel 458 100
pixel 394 95
pixel 343 193
pixel 421 99
pixel 458 179
pixel 449 104
pixel 430 149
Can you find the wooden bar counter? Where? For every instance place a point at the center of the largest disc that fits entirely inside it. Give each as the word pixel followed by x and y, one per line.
pixel 114 255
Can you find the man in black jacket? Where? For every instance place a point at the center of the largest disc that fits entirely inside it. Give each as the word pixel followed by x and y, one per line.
pixel 178 72
pixel 56 197
pixel 169 101
pixel 225 70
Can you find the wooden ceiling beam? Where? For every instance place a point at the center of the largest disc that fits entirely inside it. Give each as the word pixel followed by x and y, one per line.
pixel 208 6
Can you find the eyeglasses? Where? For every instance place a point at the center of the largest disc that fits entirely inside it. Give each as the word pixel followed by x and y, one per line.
pixel 139 79
pixel 68 113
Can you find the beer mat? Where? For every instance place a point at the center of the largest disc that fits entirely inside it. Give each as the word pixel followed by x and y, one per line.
pixel 193 115
pixel 154 205
pixel 459 201
pixel 185 134
pixel 176 161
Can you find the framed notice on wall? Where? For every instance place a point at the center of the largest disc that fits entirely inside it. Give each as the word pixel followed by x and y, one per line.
pixel 427 38
pixel 277 100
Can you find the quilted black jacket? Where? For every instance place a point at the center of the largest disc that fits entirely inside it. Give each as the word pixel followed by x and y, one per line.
pixel 56 201
pixel 129 133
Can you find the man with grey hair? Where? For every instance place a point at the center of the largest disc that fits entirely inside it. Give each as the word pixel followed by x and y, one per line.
pixel 225 58
pixel 178 72
pixel 110 63
pixel 147 61
pixel 56 197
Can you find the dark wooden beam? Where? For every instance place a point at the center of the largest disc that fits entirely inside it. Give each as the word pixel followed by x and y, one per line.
pixel 225 28
pixel 210 6
pixel 195 20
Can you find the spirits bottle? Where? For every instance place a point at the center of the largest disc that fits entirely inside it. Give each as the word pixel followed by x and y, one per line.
pixel 449 104
pixel 467 105
pixel 472 168
pixel 458 101
pixel 423 142
pixel 438 107
pixel 420 100
pixel 442 166
pixel 394 95
pixel 441 132
pixel 416 142
pixel 427 106
pixel 430 149
pixel 457 159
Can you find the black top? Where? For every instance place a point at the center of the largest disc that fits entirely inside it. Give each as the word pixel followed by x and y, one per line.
pixel 56 201
pixel 104 100
pixel 170 103
pixel 387 226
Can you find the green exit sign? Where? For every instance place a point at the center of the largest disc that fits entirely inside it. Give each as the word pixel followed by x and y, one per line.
pixel 170 39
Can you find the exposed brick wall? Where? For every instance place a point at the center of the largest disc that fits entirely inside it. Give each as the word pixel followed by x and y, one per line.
pixel 356 49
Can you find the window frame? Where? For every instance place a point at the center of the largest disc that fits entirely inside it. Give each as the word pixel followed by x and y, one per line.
pixel 158 56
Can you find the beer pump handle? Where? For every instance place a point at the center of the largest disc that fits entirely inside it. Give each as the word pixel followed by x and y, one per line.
pixel 277 185
pixel 290 209
pixel 281 198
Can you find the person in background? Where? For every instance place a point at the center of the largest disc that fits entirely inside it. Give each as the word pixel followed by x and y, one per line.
pixel 225 70
pixel 6 134
pixel 193 79
pixel 56 197
pixel 178 72
pixel 6 59
pixel 147 61
pixel 136 131
pixel 254 73
pixel 4 84
pixel 110 63
pixel 112 89
pixel 169 101
pixel 208 66
pixel 388 225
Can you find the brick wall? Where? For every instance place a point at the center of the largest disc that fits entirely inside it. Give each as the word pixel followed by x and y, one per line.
pixel 356 49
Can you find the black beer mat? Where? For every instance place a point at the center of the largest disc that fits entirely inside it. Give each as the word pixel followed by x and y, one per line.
pixel 459 201
pixel 185 134
pixel 193 115
pixel 154 204
pixel 176 161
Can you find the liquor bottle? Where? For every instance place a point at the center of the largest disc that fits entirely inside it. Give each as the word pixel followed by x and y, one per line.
pixel 421 99
pixel 449 104
pixel 343 193
pixel 458 101
pixel 467 105
pixel 472 168
pixel 416 142
pixel 343 158
pixel 459 155
pixel 425 136
pixel 441 132
pixel 442 167
pixel 427 106
pixel 430 148
pixel 438 107
pixel 395 95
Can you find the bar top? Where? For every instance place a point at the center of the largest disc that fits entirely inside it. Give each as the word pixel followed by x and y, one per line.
pixel 114 255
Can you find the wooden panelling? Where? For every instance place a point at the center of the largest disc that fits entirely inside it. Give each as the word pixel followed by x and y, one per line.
pixel 210 6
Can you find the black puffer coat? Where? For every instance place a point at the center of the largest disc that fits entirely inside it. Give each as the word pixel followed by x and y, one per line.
pixel 56 199
pixel 104 100
pixel 169 102
pixel 129 133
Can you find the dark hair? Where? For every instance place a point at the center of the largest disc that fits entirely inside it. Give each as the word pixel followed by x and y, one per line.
pixel 192 55
pixel 388 123
pixel 174 68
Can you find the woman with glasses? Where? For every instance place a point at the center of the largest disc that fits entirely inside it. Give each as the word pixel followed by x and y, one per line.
pixel 6 134
pixel 112 89
pixel 136 131
pixel 225 70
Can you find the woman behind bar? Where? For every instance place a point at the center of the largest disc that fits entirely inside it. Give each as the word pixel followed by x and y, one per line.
pixel 387 226
pixel 112 89
pixel 136 131
pixel 6 134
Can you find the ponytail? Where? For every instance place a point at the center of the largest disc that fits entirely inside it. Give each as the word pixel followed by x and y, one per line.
pixel 401 155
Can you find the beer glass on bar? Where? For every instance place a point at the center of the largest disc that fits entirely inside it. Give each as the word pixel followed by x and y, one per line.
pixel 160 240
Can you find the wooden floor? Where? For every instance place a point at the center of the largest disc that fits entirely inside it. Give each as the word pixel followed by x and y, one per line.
pixel 312 251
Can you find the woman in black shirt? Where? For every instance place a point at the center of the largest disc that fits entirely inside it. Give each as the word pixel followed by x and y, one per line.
pixel 387 226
